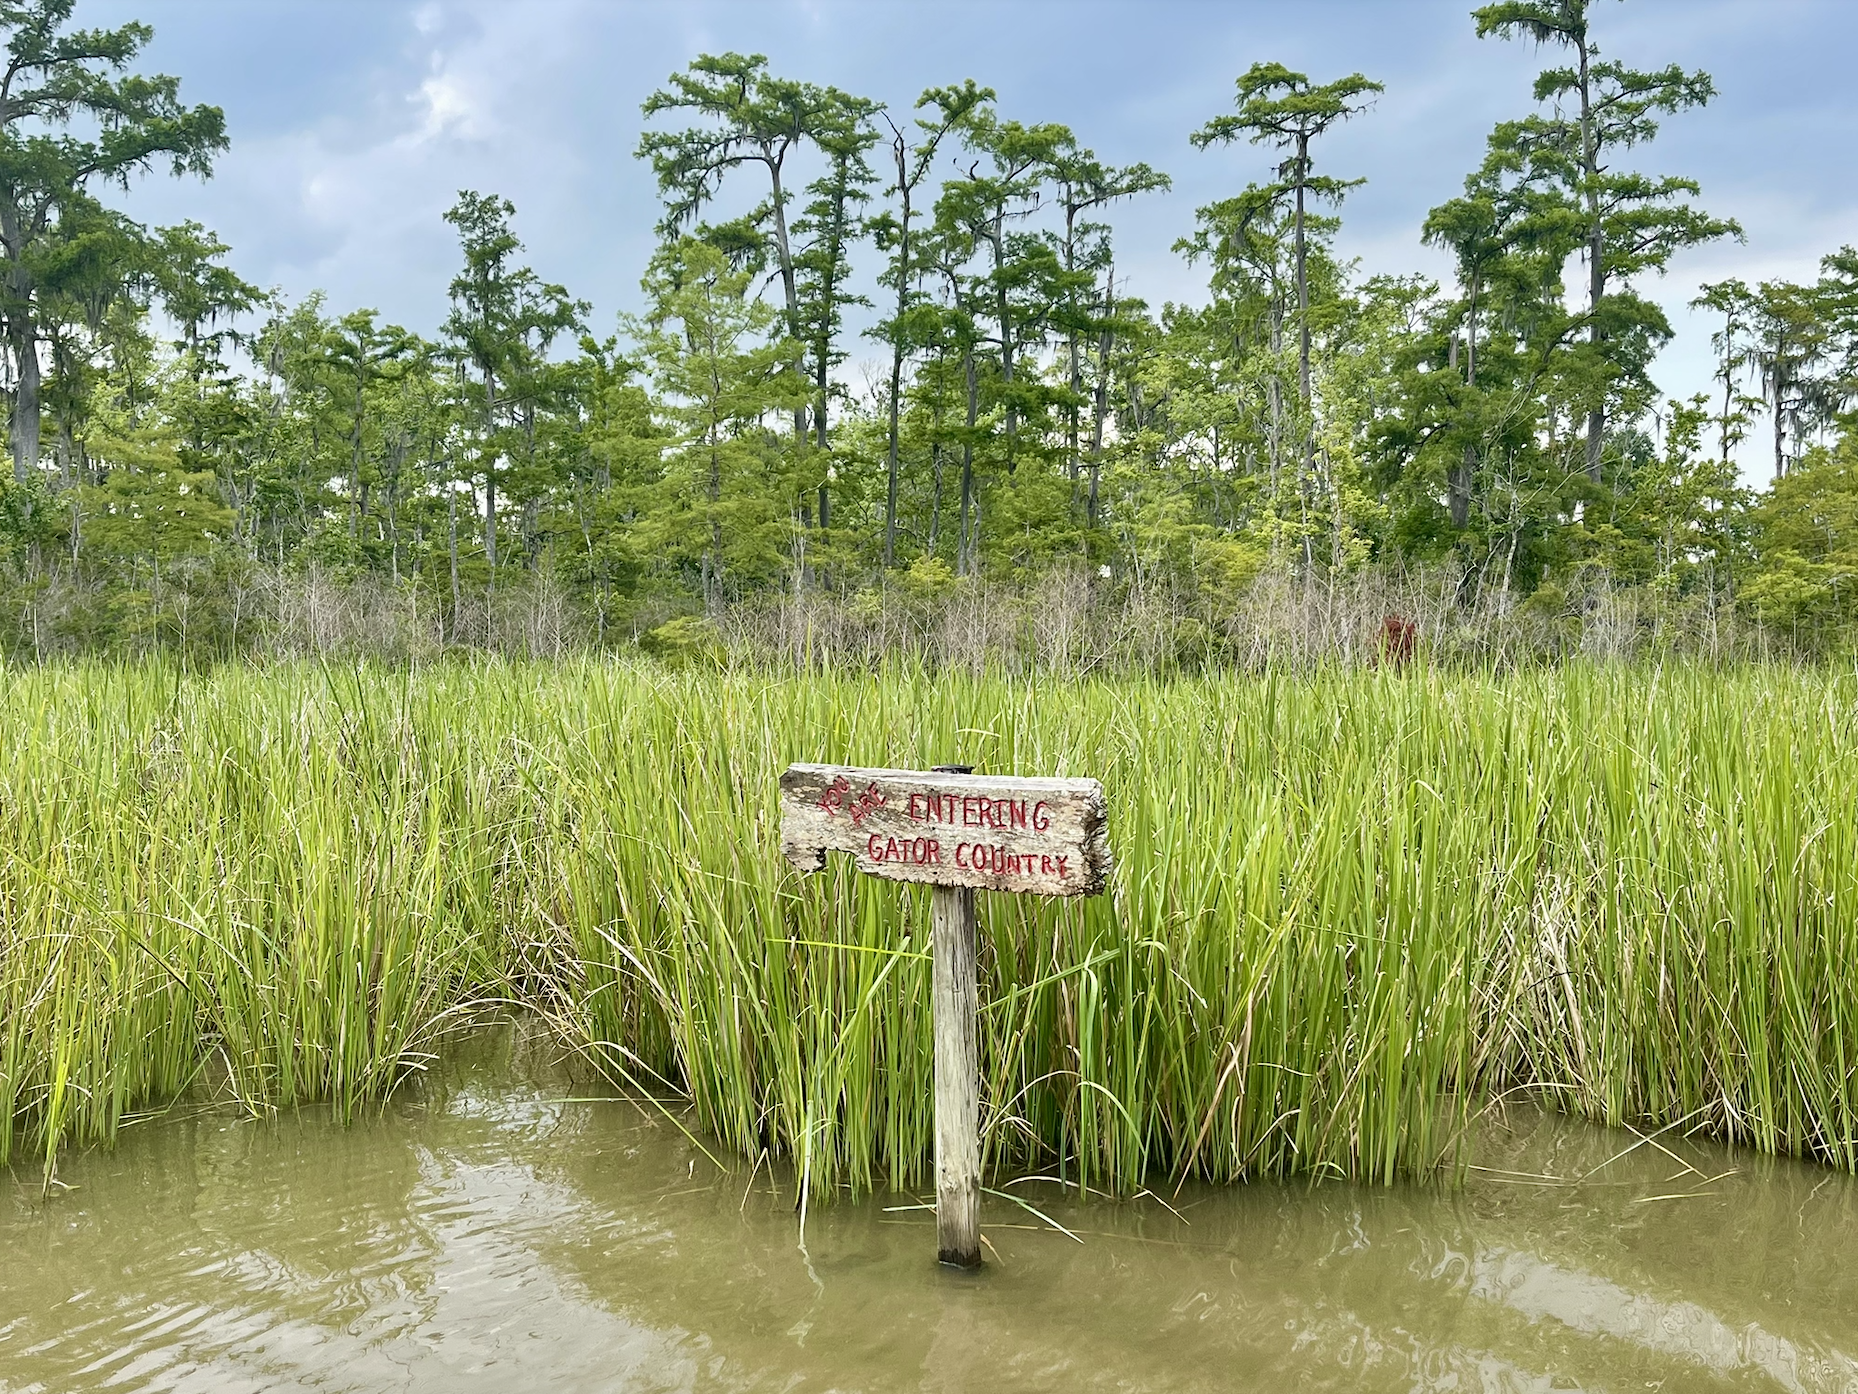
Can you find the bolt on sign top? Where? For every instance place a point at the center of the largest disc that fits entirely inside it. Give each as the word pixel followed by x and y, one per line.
pixel 986 832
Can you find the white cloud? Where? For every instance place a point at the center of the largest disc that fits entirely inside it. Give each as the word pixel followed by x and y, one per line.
pixel 449 107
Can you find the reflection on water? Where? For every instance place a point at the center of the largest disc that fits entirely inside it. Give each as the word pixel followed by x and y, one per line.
pixel 494 1235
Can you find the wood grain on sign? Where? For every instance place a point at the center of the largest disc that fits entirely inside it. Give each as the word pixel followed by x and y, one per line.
pixel 988 832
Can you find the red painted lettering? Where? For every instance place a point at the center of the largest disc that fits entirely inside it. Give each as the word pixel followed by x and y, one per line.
pixel 935 851
pixel 1019 813
pixel 872 850
pixel 868 801
pixel 1045 865
pixel 961 849
pixel 1040 818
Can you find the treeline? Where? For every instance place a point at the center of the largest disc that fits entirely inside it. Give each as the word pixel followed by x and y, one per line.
pixel 202 465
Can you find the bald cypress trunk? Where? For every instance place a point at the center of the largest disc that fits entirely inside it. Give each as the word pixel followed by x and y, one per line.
pixel 24 343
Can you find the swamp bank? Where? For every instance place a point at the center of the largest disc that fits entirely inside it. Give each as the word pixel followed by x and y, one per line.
pixel 1348 906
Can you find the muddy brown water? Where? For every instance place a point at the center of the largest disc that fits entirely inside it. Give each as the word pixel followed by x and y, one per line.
pixel 504 1230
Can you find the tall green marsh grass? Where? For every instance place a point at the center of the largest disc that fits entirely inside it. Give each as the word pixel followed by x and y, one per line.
pixel 1348 908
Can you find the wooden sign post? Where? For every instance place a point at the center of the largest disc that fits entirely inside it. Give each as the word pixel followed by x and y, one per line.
pixel 958 832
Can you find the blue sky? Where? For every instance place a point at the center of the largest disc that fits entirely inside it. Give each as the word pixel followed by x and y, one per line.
pixel 355 122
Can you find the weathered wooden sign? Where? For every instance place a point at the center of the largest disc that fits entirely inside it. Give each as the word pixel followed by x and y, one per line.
pixel 1040 836
pixel 959 832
